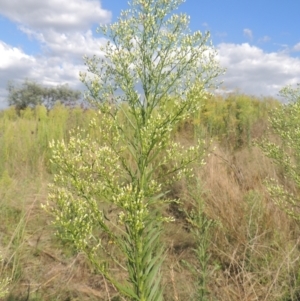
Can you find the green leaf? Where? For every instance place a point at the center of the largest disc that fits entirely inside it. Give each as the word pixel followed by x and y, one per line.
pixel 155 291
pixel 152 270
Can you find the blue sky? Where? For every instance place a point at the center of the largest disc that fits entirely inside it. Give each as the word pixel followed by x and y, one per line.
pixel 258 41
pixel 274 24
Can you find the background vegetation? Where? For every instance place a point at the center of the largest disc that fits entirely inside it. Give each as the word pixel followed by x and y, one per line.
pixel 229 240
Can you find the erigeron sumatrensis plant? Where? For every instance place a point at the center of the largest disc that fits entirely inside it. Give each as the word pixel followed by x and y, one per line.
pixel 284 122
pixel 153 75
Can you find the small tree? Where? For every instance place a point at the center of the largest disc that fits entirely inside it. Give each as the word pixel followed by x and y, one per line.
pixel 284 122
pixel 31 94
pixel 153 76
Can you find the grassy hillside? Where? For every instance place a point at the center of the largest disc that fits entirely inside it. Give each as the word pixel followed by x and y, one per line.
pixel 237 246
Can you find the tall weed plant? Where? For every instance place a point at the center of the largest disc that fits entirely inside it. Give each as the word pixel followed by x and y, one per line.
pixel 201 228
pixel 128 167
pixel 284 122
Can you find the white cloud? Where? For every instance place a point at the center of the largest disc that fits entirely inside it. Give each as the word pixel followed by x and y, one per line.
pixel 296 47
pixel 12 56
pixel 264 39
pixel 253 71
pixel 71 15
pixel 13 63
pixel 17 66
pixel 249 68
pixel 72 46
pixel 248 33
pixel 62 27
pixel 63 30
